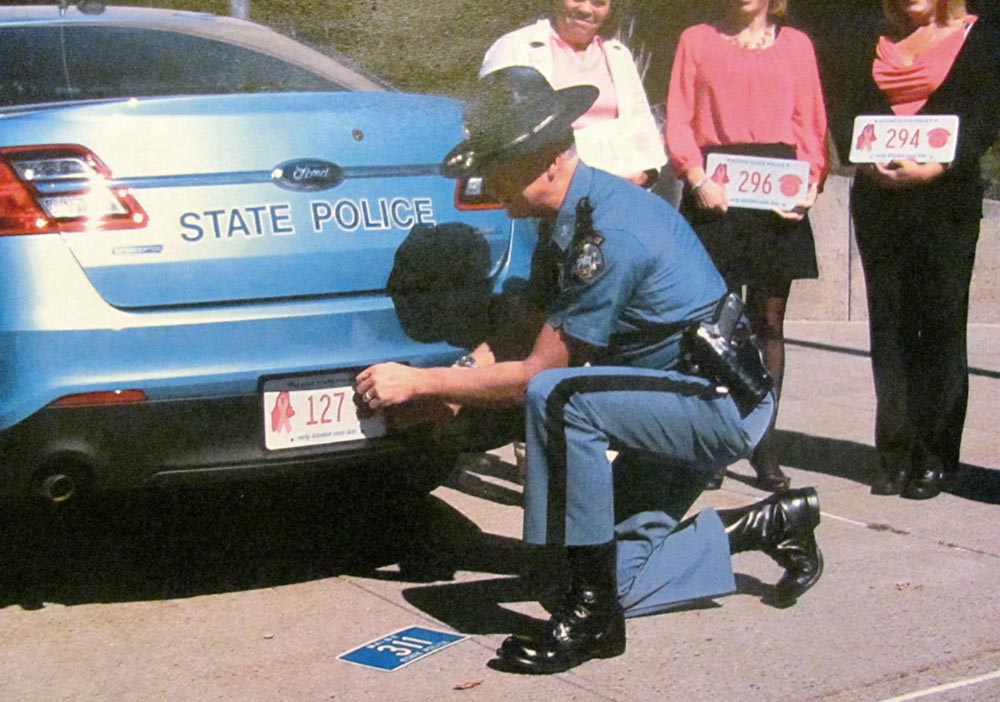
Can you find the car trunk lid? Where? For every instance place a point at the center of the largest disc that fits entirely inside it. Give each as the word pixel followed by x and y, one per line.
pixel 262 196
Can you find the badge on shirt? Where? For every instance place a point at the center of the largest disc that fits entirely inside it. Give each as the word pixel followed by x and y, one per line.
pixel 588 259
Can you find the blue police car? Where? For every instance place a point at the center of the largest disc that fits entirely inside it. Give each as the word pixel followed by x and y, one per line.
pixel 198 219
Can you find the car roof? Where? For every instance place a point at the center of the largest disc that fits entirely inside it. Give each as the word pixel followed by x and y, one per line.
pixel 202 24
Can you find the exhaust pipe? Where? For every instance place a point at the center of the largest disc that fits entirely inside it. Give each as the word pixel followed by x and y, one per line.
pixel 57 487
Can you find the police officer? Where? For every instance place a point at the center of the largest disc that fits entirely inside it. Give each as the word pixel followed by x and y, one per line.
pixel 622 276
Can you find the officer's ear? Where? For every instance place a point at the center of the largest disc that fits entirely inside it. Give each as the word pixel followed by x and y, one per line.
pixel 562 158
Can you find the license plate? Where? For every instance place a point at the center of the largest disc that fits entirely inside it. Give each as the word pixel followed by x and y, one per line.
pixel 759 183
pixel 882 138
pixel 314 410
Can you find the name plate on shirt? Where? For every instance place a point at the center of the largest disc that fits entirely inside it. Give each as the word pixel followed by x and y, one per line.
pixel 925 138
pixel 759 183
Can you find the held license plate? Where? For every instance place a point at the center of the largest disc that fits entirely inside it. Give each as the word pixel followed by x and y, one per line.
pixel 882 138
pixel 314 410
pixel 759 183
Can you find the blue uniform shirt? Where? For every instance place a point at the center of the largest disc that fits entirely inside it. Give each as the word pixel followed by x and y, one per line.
pixel 635 282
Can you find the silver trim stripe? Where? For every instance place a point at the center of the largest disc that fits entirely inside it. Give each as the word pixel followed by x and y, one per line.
pixel 191 180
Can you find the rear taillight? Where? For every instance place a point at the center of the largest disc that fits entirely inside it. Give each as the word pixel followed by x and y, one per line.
pixel 471 195
pixel 66 188
pixel 106 397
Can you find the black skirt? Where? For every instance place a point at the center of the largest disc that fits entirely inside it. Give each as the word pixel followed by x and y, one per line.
pixel 754 247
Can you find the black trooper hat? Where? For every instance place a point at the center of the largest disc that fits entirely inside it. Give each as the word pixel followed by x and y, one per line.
pixel 513 112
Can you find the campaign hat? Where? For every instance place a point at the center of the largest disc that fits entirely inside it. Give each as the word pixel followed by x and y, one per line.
pixel 513 112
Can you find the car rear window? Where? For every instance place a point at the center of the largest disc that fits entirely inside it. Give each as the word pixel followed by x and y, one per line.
pixel 61 64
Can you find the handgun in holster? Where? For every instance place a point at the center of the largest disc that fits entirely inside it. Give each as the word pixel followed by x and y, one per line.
pixel 723 352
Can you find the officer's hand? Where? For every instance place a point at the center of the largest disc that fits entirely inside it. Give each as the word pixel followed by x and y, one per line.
pixel 798 212
pixel 387 384
pixel 712 196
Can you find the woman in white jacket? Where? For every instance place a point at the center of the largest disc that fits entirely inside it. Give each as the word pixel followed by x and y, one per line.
pixel 573 47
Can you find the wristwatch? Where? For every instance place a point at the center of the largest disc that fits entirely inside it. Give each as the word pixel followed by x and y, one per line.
pixel 467 361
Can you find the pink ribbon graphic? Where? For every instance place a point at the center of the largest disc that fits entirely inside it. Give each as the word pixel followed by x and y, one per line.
pixel 866 138
pixel 281 413
pixel 721 175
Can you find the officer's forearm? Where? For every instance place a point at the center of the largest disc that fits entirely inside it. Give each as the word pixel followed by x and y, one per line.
pixel 493 383
pixel 496 383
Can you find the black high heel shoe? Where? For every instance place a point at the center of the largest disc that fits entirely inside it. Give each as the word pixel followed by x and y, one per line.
pixel 892 473
pixel 923 482
pixel 770 477
pixel 715 482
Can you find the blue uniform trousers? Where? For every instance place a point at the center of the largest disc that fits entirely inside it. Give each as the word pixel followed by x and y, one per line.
pixel 672 431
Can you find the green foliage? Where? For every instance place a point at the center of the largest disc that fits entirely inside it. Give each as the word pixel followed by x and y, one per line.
pixel 215 7
pixel 432 46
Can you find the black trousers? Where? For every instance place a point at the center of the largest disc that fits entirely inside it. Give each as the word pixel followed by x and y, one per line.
pixel 917 270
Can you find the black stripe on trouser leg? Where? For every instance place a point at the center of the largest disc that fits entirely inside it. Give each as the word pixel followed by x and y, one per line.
pixel 555 406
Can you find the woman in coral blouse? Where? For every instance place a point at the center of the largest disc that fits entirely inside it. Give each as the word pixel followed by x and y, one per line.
pixel 917 225
pixel 747 84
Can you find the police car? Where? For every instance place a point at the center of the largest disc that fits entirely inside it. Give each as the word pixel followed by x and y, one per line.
pixel 198 219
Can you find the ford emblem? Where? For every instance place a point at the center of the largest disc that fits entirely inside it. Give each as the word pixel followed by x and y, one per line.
pixel 307 174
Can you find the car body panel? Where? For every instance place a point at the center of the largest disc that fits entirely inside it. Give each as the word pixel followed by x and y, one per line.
pixel 260 246
pixel 204 177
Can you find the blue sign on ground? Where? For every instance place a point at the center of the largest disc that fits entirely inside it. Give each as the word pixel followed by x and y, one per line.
pixel 400 648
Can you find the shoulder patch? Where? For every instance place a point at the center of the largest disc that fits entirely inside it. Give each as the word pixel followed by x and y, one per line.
pixel 587 258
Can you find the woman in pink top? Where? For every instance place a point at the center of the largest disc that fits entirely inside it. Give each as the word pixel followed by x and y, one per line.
pixel 749 85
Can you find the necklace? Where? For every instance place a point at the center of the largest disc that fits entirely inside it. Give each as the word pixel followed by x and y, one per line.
pixel 745 39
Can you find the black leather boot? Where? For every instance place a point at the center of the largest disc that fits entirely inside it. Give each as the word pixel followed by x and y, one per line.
pixel 589 624
pixel 782 527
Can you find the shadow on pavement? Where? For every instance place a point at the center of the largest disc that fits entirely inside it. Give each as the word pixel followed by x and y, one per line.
pixel 854 461
pixel 474 471
pixel 477 607
pixel 847 350
pixel 975 483
pixel 537 574
pixel 162 544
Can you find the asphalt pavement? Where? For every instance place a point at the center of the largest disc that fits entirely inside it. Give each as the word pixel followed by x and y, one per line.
pixel 253 593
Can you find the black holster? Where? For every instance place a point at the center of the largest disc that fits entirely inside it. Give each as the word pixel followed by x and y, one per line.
pixel 723 352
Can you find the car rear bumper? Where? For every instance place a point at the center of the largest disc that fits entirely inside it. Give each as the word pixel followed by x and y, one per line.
pixel 162 442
